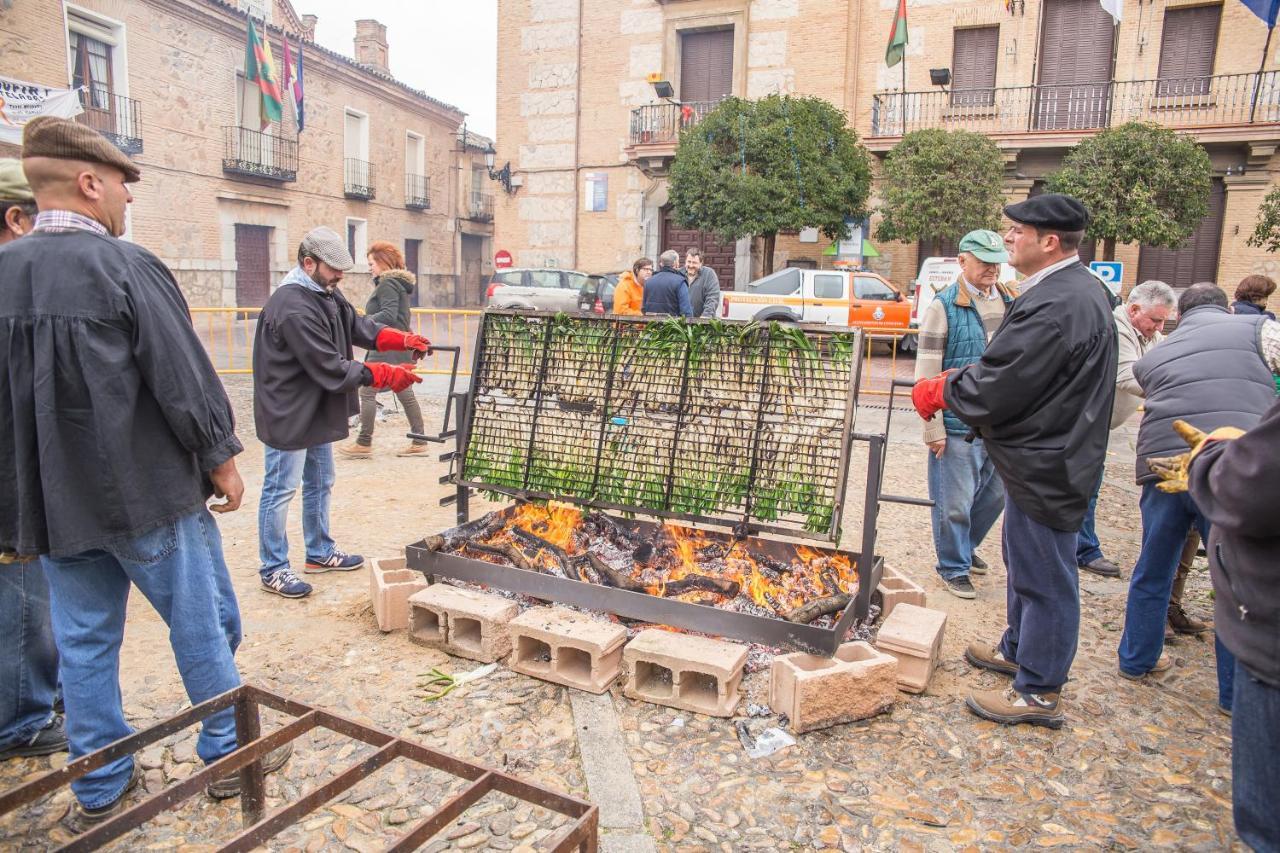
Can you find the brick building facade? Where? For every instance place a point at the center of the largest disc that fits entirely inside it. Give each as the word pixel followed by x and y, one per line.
pixel 223 204
pixel 581 124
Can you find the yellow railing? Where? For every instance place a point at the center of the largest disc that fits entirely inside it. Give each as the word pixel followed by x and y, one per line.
pixel 227 334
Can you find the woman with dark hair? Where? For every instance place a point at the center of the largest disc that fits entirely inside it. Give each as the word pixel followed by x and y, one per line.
pixel 1251 296
pixel 389 305
pixel 629 294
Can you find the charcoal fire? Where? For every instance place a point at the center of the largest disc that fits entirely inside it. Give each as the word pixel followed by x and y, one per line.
pixel 760 577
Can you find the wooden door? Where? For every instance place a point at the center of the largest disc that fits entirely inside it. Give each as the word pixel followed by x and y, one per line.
pixel 473 283
pixel 253 265
pixel 411 260
pixel 1198 260
pixel 1074 91
pixel 720 256
pixel 706 66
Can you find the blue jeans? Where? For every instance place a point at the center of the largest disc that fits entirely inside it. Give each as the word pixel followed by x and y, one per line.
pixel 180 569
pixel 1226 673
pixel 1088 548
pixel 313 468
pixel 967 499
pixel 1043 607
pixel 29 666
pixel 1255 761
pixel 1165 522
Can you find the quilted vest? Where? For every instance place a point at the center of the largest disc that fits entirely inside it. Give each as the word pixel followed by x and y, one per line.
pixel 966 341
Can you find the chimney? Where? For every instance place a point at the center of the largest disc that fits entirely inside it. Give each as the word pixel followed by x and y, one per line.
pixel 309 27
pixel 371 45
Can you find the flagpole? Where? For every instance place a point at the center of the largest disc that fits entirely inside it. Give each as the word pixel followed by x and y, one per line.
pixel 1257 84
pixel 904 91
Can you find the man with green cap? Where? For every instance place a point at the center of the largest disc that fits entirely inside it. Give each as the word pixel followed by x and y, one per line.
pixel 965 489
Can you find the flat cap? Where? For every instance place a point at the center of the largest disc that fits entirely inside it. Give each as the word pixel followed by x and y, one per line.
pixel 47 136
pixel 1051 210
pixel 325 245
pixel 13 182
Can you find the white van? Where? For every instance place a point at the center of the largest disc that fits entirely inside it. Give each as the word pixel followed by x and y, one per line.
pixel 936 275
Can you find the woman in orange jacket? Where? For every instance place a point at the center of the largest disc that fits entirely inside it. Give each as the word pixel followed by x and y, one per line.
pixel 629 293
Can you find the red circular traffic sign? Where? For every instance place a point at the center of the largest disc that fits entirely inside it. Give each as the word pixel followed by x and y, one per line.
pixel 502 260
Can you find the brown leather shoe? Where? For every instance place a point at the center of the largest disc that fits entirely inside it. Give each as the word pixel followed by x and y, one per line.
pixel 987 656
pixel 229 786
pixel 356 451
pixel 80 820
pixel 1182 623
pixel 412 449
pixel 1012 708
pixel 1163 665
pixel 1102 567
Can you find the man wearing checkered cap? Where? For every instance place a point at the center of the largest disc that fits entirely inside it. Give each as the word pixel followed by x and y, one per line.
pixel 305 379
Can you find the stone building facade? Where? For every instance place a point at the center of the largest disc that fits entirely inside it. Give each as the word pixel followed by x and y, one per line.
pixel 223 203
pixel 591 144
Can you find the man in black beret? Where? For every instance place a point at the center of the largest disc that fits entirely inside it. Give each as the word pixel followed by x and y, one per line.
pixel 1040 399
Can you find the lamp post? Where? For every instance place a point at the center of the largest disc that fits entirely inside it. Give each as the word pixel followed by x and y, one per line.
pixel 503 175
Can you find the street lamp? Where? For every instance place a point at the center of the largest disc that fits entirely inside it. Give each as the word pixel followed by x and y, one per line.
pixel 503 175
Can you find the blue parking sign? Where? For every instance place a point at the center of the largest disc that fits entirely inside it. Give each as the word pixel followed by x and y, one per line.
pixel 1111 273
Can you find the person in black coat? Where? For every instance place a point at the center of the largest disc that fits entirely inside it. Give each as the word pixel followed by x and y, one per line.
pixel 1041 400
pixel 667 291
pixel 1251 296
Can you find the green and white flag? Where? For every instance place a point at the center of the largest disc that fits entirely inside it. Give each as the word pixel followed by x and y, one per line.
pixel 897 36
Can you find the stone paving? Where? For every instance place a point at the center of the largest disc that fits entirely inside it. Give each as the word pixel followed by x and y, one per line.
pixel 1137 766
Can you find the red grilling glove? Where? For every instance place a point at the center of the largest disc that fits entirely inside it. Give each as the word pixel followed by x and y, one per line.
pixel 926 395
pixel 394 377
pixel 394 339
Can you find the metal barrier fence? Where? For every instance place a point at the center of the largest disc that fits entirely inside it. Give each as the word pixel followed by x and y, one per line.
pixel 227 334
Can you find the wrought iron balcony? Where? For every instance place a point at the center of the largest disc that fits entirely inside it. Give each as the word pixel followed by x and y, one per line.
pixel 660 124
pixel 1188 102
pixel 417 192
pixel 116 117
pixel 481 207
pixel 358 179
pixel 259 155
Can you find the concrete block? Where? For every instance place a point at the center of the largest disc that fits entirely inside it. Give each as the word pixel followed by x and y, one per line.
pixel 913 635
pixel 462 622
pixel 695 674
pixel 817 692
pixel 896 588
pixel 567 648
pixel 390 585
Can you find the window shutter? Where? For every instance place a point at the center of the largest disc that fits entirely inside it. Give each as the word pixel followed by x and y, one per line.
pixel 1188 45
pixel 706 66
pixel 973 65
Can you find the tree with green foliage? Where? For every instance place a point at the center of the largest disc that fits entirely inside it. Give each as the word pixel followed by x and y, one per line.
pixel 781 163
pixel 1266 234
pixel 1142 183
pixel 940 184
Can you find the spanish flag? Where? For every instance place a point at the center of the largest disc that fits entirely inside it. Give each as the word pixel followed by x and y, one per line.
pixel 260 67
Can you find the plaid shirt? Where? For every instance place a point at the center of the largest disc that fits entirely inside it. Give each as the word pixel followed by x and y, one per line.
pixel 66 220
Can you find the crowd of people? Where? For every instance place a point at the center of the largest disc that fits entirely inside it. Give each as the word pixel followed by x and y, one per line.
pixel 116 434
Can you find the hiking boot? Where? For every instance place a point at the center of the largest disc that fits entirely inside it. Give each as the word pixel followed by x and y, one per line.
pixel 413 449
pixel 1102 567
pixel 79 819
pixel 47 741
pixel 960 587
pixel 229 786
pixel 1163 665
pixel 977 565
pixel 1011 707
pixel 1180 622
pixel 338 561
pixel 285 583
pixel 356 451
pixel 989 657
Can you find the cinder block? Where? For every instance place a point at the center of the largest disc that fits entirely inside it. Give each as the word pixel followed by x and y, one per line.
pixel 462 622
pixel 390 585
pixel 695 674
pixel 913 635
pixel 817 692
pixel 896 588
pixel 567 648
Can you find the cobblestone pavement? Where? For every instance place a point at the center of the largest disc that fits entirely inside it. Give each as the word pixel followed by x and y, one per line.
pixel 1137 766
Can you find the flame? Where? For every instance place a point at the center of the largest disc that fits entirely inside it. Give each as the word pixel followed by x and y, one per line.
pixel 555 523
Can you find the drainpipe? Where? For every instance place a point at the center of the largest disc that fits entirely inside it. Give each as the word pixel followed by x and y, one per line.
pixel 577 136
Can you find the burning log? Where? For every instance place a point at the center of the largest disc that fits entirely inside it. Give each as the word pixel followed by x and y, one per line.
pixel 612 577
pixel 689 583
pixel 818 607
pixel 482 529
pixel 567 564
pixel 506 550
pixel 614 532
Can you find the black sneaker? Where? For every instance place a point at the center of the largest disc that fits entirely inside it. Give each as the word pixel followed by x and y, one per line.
pixel 229 786
pixel 47 741
pixel 977 565
pixel 961 587
pixel 79 819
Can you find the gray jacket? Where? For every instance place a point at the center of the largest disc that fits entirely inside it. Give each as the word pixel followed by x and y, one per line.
pixel 704 293
pixel 1210 373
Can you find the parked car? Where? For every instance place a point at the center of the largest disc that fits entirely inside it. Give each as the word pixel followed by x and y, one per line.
pixel 835 297
pixel 936 275
pixel 536 289
pixel 597 295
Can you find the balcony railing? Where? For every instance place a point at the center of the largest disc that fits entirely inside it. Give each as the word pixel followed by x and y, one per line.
pixel 116 117
pixel 482 207
pixel 259 155
pixel 417 192
pixel 660 124
pixel 358 179
pixel 1188 102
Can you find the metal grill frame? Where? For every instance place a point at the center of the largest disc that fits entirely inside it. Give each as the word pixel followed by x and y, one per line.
pixel 744 521
pixel 252 747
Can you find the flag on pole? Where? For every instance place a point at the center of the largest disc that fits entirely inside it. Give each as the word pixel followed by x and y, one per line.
pixel 1264 9
pixel 287 61
pixel 897 36
pixel 297 87
pixel 260 68
pixel 1113 8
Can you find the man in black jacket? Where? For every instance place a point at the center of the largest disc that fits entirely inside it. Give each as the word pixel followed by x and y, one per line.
pixel 667 291
pixel 1040 399
pixel 305 380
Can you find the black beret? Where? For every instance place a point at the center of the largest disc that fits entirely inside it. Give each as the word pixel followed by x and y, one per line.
pixel 1051 210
